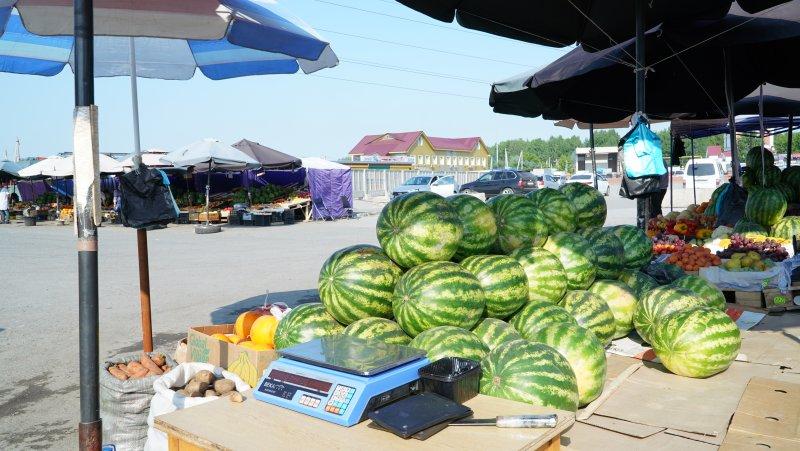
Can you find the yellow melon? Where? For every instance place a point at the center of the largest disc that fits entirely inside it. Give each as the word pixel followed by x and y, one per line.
pixel 263 330
pixel 221 337
pixel 244 322
pixel 255 346
pixel 233 338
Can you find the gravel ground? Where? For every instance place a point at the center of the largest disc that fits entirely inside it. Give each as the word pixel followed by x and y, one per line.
pixel 195 280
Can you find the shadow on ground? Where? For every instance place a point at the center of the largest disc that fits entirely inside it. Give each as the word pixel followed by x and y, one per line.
pixel 161 341
pixel 227 314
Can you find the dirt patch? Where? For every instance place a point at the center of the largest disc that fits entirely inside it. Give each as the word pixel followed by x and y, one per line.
pixel 32 391
pixel 41 436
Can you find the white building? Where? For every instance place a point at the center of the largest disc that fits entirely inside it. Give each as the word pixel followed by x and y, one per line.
pixel 606 159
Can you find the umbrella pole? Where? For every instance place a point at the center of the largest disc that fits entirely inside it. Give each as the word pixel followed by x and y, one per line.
pixel 789 142
pixel 694 183
pixel 141 234
pixel 208 190
pixel 731 115
pixel 591 148
pixel 642 203
pixel 761 130
pixel 90 426
pixel 671 150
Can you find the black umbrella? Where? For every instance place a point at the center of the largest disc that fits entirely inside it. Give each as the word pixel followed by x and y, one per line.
pixel 268 157
pixel 596 24
pixel 778 102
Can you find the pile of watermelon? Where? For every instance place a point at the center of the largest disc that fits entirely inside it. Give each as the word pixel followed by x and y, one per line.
pixel 533 287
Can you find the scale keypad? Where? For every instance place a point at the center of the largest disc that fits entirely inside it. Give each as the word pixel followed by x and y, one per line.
pixel 309 401
pixel 340 399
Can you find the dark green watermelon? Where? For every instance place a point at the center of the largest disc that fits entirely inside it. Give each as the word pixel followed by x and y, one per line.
pixel 493 332
pixel 609 252
pixel 519 223
pixel 504 283
pixel 537 314
pixel 590 205
pixel 380 329
pixel 591 312
pixel 638 281
pixel 743 226
pixel 765 206
pixel 305 323
pixel 753 158
pixel 577 257
pixel 480 227
pixel 449 341
pixel 638 246
pixel 555 208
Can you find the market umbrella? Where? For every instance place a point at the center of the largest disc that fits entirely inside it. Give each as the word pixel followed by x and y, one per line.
pixel 596 24
pixel 9 170
pixel 152 158
pixel 211 155
pixel 268 158
pixel 64 166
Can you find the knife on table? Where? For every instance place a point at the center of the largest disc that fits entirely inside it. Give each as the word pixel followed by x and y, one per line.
pixel 511 421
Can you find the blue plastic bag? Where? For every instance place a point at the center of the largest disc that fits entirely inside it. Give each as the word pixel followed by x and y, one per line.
pixel 641 153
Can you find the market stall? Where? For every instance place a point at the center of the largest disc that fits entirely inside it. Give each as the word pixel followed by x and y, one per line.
pixel 331 188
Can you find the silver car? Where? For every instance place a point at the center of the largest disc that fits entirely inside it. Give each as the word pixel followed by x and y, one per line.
pixel 444 185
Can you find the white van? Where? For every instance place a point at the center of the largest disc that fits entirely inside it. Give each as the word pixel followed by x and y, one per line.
pixel 703 173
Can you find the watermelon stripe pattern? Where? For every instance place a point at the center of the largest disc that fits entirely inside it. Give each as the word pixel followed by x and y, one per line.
pixel 504 283
pixel 638 247
pixel 532 373
pixel 753 158
pixel 787 227
pixel 590 206
pixel 437 294
pixel 519 223
pixel 477 220
pixel 660 302
pixel 493 332
pixel 585 354
pixel 537 314
pixel 305 323
pixel 609 253
pixel 547 279
pixel 697 342
pixel 381 329
pixel 622 302
pixel 358 282
pixel 638 281
pixel 556 210
pixel 702 289
pixel 449 341
pixel 591 312
pixel 765 206
pixel 419 227
pixel 577 257
pixel 743 226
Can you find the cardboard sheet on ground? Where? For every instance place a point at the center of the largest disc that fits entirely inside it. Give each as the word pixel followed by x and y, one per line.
pixel 585 437
pixel 700 407
pixel 768 416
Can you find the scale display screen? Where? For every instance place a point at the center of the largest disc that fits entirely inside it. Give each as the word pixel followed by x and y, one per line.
pixel 352 355
pixel 302 381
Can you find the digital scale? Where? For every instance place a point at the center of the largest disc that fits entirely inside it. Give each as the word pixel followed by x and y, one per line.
pixel 340 379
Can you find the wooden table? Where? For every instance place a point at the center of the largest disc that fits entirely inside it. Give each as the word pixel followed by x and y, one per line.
pixel 256 425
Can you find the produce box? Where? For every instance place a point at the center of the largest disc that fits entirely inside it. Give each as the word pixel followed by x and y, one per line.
pixel 193 216
pixel 767 417
pixel 769 299
pixel 213 216
pixel 247 363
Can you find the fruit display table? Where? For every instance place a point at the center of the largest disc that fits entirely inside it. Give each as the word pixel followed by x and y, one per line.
pixel 255 425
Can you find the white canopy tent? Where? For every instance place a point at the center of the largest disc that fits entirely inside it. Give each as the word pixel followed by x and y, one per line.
pixel 58 166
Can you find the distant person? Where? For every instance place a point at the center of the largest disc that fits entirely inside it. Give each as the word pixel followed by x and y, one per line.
pixel 656 199
pixel 4 216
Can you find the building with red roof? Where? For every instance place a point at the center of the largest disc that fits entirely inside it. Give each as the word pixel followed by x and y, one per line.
pixel 419 151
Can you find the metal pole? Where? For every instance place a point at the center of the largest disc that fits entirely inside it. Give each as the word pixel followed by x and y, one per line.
pixel 694 182
pixel 642 203
pixel 90 426
pixel 208 190
pixel 141 234
pixel 671 152
pixel 731 115
pixel 591 149
pixel 761 131
pixel 789 142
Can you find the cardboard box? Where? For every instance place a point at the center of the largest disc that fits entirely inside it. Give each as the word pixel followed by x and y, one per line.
pixel 768 416
pixel 249 363
pixel 770 299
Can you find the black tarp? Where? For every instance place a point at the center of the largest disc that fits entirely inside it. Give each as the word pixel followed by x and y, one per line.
pixel 268 157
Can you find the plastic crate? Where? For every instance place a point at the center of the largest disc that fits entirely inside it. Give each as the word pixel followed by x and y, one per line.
pixel 288 216
pixel 452 377
pixel 261 220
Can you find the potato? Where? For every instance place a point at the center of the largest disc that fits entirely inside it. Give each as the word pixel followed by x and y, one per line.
pixel 210 393
pixel 205 376
pixel 159 359
pixel 235 396
pixel 223 386
pixel 196 387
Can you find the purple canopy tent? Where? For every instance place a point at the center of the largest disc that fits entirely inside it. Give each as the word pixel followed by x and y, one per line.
pixel 329 183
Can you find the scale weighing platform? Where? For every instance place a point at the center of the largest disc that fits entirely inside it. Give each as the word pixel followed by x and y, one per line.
pixel 340 379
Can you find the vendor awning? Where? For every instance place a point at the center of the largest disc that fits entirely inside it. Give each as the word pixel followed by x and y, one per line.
pixel 268 157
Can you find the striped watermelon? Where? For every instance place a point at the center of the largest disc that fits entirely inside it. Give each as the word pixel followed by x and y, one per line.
pixel 480 227
pixel 787 227
pixel 381 329
pixel 638 246
pixel 699 342
pixel 504 283
pixel 555 208
pixel 419 227
pixel 532 373
pixel 608 250
pixel 305 323
pixel 753 158
pixel 493 332
pixel 622 302
pixel 638 281
pixel 711 209
pixel 437 294
pixel 357 282
pixel 656 304
pixel 789 192
pixel 703 289
pixel 585 354
pixel 519 223
pixel 772 176
pixel 577 257
pixel 750 181
pixel 591 312
pixel 537 314
pixel 449 341
pixel 765 206
pixel 590 205
pixel 743 226
pixel 791 176
pixel 547 279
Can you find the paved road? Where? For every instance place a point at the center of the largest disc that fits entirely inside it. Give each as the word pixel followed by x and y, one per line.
pixel 195 280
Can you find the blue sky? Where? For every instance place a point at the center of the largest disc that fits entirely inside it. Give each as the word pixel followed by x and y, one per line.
pixel 299 114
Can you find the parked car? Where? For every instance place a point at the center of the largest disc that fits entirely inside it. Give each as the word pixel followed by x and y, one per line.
pixel 703 173
pixel 502 181
pixel 586 178
pixel 444 185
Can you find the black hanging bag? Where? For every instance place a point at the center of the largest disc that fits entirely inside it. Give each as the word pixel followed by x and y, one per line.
pixel 146 198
